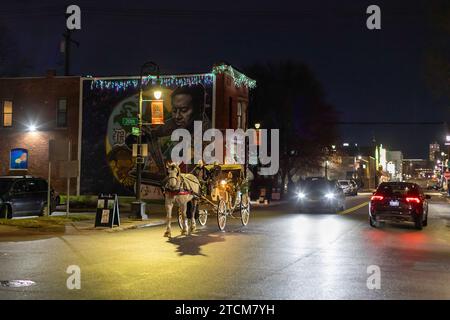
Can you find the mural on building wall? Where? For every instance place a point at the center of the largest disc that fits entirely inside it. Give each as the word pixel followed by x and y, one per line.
pixel 110 111
pixel 18 159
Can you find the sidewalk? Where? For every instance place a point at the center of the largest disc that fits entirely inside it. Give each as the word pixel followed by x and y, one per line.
pixel 156 216
pixel 32 226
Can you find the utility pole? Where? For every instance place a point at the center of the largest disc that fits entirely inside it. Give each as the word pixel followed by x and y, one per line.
pixel 67 50
pixel 138 206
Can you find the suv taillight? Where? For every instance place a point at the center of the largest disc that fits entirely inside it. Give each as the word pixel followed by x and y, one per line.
pixel 376 198
pixel 413 200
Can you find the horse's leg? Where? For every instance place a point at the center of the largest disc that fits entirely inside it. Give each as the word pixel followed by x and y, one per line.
pixel 169 207
pixel 194 210
pixel 183 207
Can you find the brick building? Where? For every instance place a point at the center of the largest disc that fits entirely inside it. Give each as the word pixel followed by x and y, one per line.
pixel 86 110
pixel 231 102
pixel 33 111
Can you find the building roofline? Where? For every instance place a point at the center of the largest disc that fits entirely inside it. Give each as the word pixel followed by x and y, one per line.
pixel 39 77
pixel 128 77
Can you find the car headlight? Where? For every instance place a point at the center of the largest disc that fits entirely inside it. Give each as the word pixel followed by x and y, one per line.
pixel 330 195
pixel 301 195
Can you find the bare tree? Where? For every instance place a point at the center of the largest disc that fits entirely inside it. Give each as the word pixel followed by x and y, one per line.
pixel 289 97
pixel 438 53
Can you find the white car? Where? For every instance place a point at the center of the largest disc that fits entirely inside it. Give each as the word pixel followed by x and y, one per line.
pixel 349 187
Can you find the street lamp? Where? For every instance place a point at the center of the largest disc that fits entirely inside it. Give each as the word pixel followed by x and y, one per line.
pixel 138 207
pixel 157 94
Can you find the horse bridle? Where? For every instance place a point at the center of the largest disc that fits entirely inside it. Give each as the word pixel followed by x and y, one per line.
pixel 166 187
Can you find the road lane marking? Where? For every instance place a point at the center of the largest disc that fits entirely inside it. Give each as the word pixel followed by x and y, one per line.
pixel 359 206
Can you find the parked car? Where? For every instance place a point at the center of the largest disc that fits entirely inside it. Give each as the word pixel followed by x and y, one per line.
pixel 399 201
pixel 320 193
pixel 23 196
pixel 349 187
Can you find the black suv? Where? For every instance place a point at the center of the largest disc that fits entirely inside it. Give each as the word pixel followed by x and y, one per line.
pixel 23 196
pixel 399 201
pixel 317 193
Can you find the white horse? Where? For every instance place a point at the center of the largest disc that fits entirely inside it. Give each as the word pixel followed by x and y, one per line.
pixel 179 189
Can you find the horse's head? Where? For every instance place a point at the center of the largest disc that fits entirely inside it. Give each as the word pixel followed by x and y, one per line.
pixel 173 176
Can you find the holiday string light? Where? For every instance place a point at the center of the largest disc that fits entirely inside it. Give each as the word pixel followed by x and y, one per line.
pixel 205 80
pixel 167 81
pixel 239 78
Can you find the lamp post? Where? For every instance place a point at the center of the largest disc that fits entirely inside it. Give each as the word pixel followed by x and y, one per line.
pixel 447 143
pixel 138 207
pixel 366 174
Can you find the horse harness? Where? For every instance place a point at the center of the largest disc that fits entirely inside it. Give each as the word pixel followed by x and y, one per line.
pixel 182 189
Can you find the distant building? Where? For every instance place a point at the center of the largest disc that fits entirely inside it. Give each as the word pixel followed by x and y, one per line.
pixel 394 165
pixel 434 151
pixel 417 168
pixel 354 162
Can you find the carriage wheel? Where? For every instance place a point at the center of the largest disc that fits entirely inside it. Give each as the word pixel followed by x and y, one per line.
pixel 202 217
pixel 221 214
pixel 245 209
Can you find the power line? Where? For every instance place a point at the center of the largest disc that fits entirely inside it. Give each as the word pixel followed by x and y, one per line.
pixel 176 13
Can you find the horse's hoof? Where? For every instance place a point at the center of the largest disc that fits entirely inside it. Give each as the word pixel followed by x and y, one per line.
pixel 167 234
pixel 184 232
pixel 193 229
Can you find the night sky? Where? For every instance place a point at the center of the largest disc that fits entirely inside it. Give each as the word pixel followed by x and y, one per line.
pixel 367 75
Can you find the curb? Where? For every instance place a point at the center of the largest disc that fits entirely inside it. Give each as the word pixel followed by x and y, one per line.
pixel 135 226
pixel 270 204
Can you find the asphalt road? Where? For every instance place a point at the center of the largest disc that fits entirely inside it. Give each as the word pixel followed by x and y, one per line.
pixel 280 255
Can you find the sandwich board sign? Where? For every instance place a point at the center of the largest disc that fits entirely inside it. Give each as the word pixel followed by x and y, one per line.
pixel 107 214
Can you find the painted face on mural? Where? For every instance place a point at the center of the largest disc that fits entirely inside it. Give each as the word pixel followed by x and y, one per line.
pixel 183 110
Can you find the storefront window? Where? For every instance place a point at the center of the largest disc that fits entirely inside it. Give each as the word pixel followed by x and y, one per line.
pixel 239 115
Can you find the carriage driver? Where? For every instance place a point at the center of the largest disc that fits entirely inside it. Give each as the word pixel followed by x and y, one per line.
pixel 202 173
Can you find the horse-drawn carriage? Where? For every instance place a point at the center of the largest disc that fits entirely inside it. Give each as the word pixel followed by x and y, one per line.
pixel 222 190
